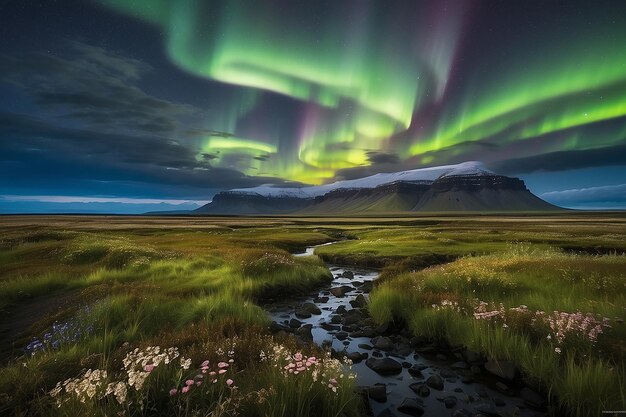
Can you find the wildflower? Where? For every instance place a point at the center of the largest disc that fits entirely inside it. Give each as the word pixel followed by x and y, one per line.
pixel 185 390
pixel 557 349
pixel 204 364
pixel 185 363
pixel 173 392
pixel 148 368
pixel 189 382
pixel 229 382
pixel 222 365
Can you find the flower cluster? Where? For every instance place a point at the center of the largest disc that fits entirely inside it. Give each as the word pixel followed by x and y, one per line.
pixel 60 334
pixel 447 305
pixel 561 327
pixel 208 374
pixel 267 262
pixel 325 371
pixel 482 311
pixel 138 365
pixel 571 325
pixel 87 386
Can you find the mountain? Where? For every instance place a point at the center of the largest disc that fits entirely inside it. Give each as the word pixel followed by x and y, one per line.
pixel 235 202
pixel 468 186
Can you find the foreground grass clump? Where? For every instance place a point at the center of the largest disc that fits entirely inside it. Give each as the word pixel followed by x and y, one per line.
pixel 226 369
pixel 558 316
pixel 145 324
pixel 296 384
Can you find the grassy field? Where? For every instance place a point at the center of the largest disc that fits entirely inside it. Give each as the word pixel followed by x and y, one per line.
pixel 161 316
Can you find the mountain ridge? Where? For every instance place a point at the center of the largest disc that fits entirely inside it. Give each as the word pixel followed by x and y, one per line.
pixel 467 186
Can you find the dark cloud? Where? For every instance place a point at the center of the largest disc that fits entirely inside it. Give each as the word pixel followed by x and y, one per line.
pixel 97 124
pixel 122 156
pixel 564 160
pixel 208 132
pixel 97 88
pixel 376 157
pixel 210 156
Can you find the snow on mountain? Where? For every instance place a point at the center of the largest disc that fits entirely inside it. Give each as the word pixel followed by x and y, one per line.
pixel 413 175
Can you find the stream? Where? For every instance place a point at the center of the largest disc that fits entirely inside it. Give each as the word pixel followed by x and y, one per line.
pixel 412 376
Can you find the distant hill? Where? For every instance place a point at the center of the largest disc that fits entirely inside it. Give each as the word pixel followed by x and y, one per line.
pixel 463 187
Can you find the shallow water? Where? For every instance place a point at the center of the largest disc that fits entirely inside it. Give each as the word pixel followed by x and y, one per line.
pixel 473 396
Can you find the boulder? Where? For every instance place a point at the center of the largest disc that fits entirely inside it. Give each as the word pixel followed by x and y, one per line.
pixel 415 372
pixel 503 369
pixel 386 413
pixel 359 301
pixel 420 389
pixel 435 382
pixel 382 343
pixel 311 308
pixel 352 317
pixel 412 407
pixel 356 357
pixel 347 274
pixel 472 357
pixel 377 393
pixel 303 314
pixel 384 366
pixel 305 333
pixel 329 327
pixel 341 335
pixel 449 401
pixel 532 398
pixel 340 291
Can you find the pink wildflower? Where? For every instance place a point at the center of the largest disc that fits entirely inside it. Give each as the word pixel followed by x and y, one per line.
pixel 229 382
pixel 173 392
pixel 222 365
pixel 185 390
pixel 189 382
pixel 204 364
pixel 148 368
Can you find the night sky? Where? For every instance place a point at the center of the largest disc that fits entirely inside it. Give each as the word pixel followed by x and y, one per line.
pixel 127 106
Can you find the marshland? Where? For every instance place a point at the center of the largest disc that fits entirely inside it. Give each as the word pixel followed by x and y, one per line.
pixel 150 316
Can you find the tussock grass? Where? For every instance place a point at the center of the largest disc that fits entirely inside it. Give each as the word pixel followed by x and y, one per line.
pixel 140 289
pixel 586 377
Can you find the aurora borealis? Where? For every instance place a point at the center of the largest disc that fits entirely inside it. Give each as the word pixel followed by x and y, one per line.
pixel 209 95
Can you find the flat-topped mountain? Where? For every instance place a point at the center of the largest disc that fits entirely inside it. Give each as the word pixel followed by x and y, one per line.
pixel 468 186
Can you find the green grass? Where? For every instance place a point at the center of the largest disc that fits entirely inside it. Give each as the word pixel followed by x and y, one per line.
pixel 542 279
pixel 189 290
pixel 198 285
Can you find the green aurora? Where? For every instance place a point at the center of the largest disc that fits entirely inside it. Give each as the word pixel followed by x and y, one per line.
pixel 360 92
